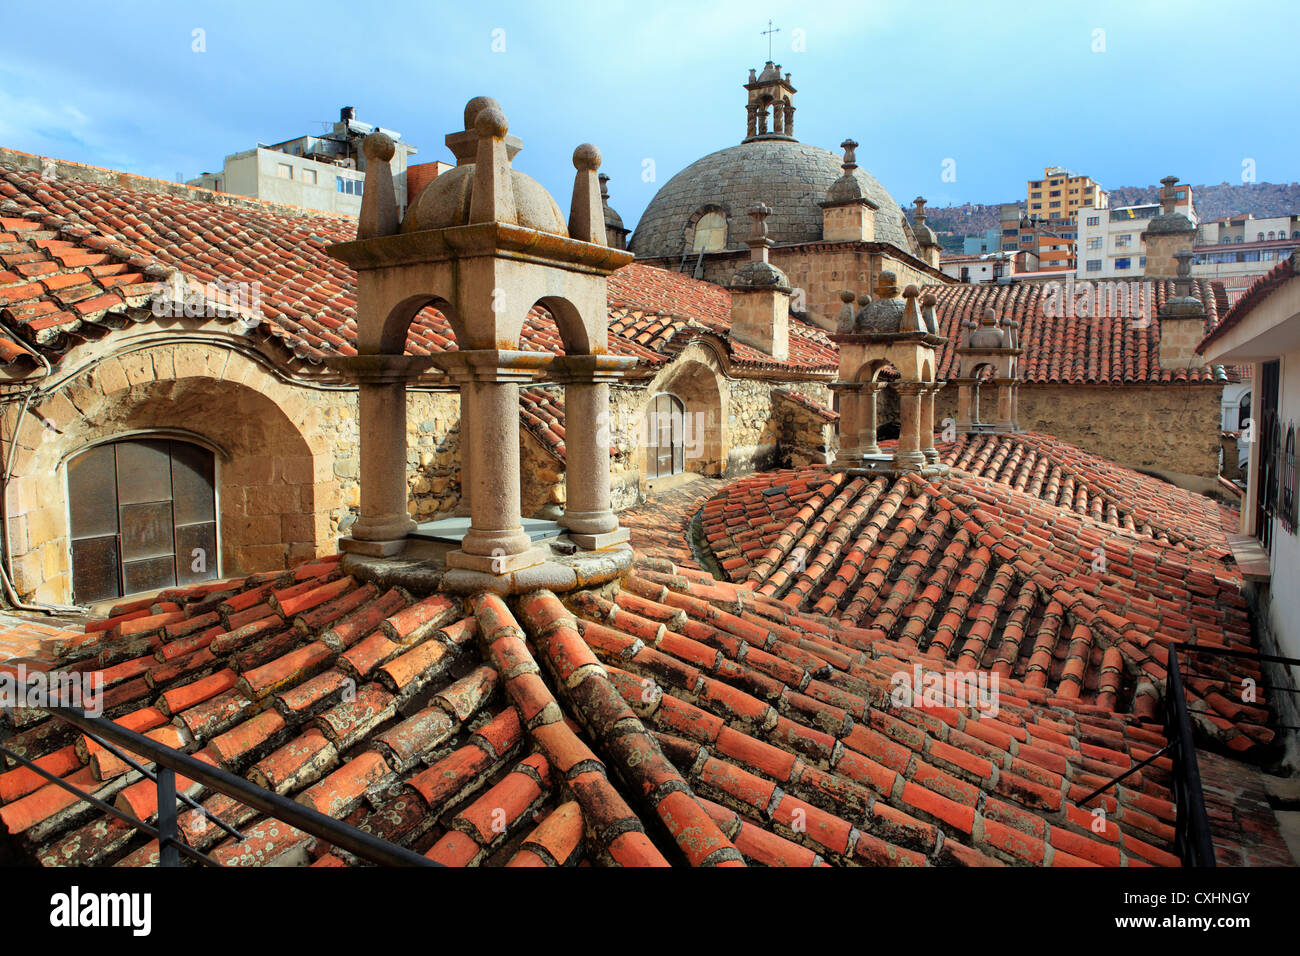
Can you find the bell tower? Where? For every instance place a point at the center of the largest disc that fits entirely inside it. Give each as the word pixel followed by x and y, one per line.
pixel 771 96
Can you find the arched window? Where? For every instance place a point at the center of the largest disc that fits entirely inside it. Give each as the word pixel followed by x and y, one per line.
pixel 1272 234
pixel 143 517
pixel 666 436
pixel 1243 411
pixel 710 232
pixel 1259 237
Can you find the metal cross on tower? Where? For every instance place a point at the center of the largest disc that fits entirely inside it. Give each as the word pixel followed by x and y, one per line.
pixel 768 33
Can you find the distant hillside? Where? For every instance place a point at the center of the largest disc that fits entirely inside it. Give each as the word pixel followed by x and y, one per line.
pixel 1212 202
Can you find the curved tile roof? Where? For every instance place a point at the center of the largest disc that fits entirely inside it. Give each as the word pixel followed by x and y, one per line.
pixel 79 258
pixel 674 720
pixel 1104 347
pixel 975 573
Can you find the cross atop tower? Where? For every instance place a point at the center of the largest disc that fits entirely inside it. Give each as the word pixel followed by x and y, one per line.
pixel 768 33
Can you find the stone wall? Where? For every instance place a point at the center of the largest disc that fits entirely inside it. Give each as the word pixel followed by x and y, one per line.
pixel 1166 428
pixel 288 453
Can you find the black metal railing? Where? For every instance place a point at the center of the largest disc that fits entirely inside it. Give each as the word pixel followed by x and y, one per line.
pixel 169 762
pixel 1192 839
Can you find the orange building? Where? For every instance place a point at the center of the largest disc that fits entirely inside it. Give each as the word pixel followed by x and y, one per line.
pixel 1060 194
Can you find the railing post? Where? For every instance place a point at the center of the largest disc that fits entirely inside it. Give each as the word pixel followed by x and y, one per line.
pixel 1192 828
pixel 168 854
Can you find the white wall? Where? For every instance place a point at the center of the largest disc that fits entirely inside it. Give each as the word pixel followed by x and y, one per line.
pixel 1284 608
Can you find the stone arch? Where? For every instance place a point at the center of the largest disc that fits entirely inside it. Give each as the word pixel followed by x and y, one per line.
pixel 277 495
pixel 871 371
pixel 569 325
pixel 397 324
pixel 695 379
pixel 688 233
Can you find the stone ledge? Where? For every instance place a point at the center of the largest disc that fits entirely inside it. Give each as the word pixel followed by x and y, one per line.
pixel 558 573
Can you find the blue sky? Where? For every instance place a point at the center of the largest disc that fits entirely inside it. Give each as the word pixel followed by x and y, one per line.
pixel 1001 89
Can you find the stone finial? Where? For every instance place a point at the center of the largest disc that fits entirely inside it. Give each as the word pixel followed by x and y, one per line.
pixel 379 215
pixel 850 155
pixel 989 319
pixel 477 105
pixel 919 202
pixel 758 241
pixel 929 301
pixel 887 285
pixel 912 319
pixel 1013 332
pixel 847 311
pixel 587 211
pixel 493 196
pixel 1184 257
pixel 604 187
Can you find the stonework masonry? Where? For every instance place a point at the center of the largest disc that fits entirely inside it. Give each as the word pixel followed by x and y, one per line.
pixel 1157 428
pixel 287 452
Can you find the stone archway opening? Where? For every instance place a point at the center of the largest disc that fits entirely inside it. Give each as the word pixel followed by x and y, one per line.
pixel 276 494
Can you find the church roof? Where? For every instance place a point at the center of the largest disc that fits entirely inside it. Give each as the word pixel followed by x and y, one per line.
pixel 676 718
pixel 80 258
pixel 1114 344
pixel 790 177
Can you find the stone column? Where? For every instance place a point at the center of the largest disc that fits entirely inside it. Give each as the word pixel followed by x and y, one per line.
pixel 466 457
pixel 1005 415
pixel 778 117
pixel 588 515
pixel 908 454
pixel 496 542
pixel 751 125
pixel 383 518
pixel 789 120
pixel 867 418
pixel 850 424
pixel 927 423
pixel 965 401
pixel 1015 406
pixel 384 522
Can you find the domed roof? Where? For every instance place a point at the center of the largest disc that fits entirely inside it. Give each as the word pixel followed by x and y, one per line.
pixel 789 176
pixel 445 202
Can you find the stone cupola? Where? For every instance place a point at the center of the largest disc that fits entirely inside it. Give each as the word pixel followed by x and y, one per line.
pixel 890 332
pixel 848 214
pixel 484 244
pixel 770 96
pixel 988 354
pixel 1182 320
pixel 1167 234
pixel 925 237
pixel 760 294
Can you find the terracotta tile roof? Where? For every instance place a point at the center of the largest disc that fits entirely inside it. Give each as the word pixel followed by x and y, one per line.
pixel 78 259
pixel 1098 349
pixel 666 310
pixel 1258 291
pixel 976 573
pixel 1070 477
pixel 676 719
pixel 542 413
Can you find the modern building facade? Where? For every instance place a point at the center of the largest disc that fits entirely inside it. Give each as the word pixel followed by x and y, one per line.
pixel 324 172
pixel 1061 194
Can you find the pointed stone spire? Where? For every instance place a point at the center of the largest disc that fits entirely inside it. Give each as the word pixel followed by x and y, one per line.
pixel 493 195
pixel 379 215
pixel 587 211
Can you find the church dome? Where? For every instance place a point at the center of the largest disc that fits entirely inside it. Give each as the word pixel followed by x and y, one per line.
pixel 445 202
pixel 789 176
